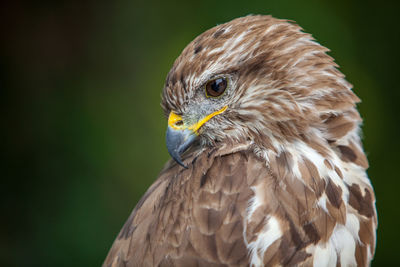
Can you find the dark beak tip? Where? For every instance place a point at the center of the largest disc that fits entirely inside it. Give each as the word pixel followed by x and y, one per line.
pixel 184 166
pixel 178 141
pixel 178 160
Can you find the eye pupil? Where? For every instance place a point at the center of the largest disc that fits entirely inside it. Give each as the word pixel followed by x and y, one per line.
pixel 216 87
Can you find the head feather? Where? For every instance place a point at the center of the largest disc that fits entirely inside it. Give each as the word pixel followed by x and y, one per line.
pixel 285 86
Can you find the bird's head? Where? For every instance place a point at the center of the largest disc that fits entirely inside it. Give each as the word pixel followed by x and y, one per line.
pixel 255 78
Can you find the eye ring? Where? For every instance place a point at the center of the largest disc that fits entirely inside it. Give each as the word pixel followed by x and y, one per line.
pixel 216 87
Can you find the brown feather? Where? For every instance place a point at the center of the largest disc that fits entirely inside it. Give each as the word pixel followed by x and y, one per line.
pixel 204 223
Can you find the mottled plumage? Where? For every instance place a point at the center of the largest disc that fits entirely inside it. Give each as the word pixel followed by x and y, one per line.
pixel 278 175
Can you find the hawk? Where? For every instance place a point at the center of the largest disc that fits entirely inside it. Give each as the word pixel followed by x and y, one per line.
pixel 268 167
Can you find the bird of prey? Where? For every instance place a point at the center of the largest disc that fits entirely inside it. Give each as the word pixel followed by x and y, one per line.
pixel 268 168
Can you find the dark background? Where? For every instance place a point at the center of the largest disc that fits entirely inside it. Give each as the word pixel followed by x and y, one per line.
pixel 82 132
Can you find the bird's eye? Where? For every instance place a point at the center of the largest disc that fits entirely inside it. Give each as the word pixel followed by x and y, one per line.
pixel 216 87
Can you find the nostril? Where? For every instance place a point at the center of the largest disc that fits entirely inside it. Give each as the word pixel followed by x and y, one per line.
pixel 179 123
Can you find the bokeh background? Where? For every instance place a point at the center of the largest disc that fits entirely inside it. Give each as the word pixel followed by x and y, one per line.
pixel 82 131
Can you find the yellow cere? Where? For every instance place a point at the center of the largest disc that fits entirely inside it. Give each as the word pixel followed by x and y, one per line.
pixel 174 119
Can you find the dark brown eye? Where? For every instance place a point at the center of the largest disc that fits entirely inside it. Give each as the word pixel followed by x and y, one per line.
pixel 216 87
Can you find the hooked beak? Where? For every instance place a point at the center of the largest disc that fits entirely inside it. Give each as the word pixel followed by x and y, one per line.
pixel 179 136
pixel 177 143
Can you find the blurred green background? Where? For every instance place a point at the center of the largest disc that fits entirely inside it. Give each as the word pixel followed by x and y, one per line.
pixel 82 131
